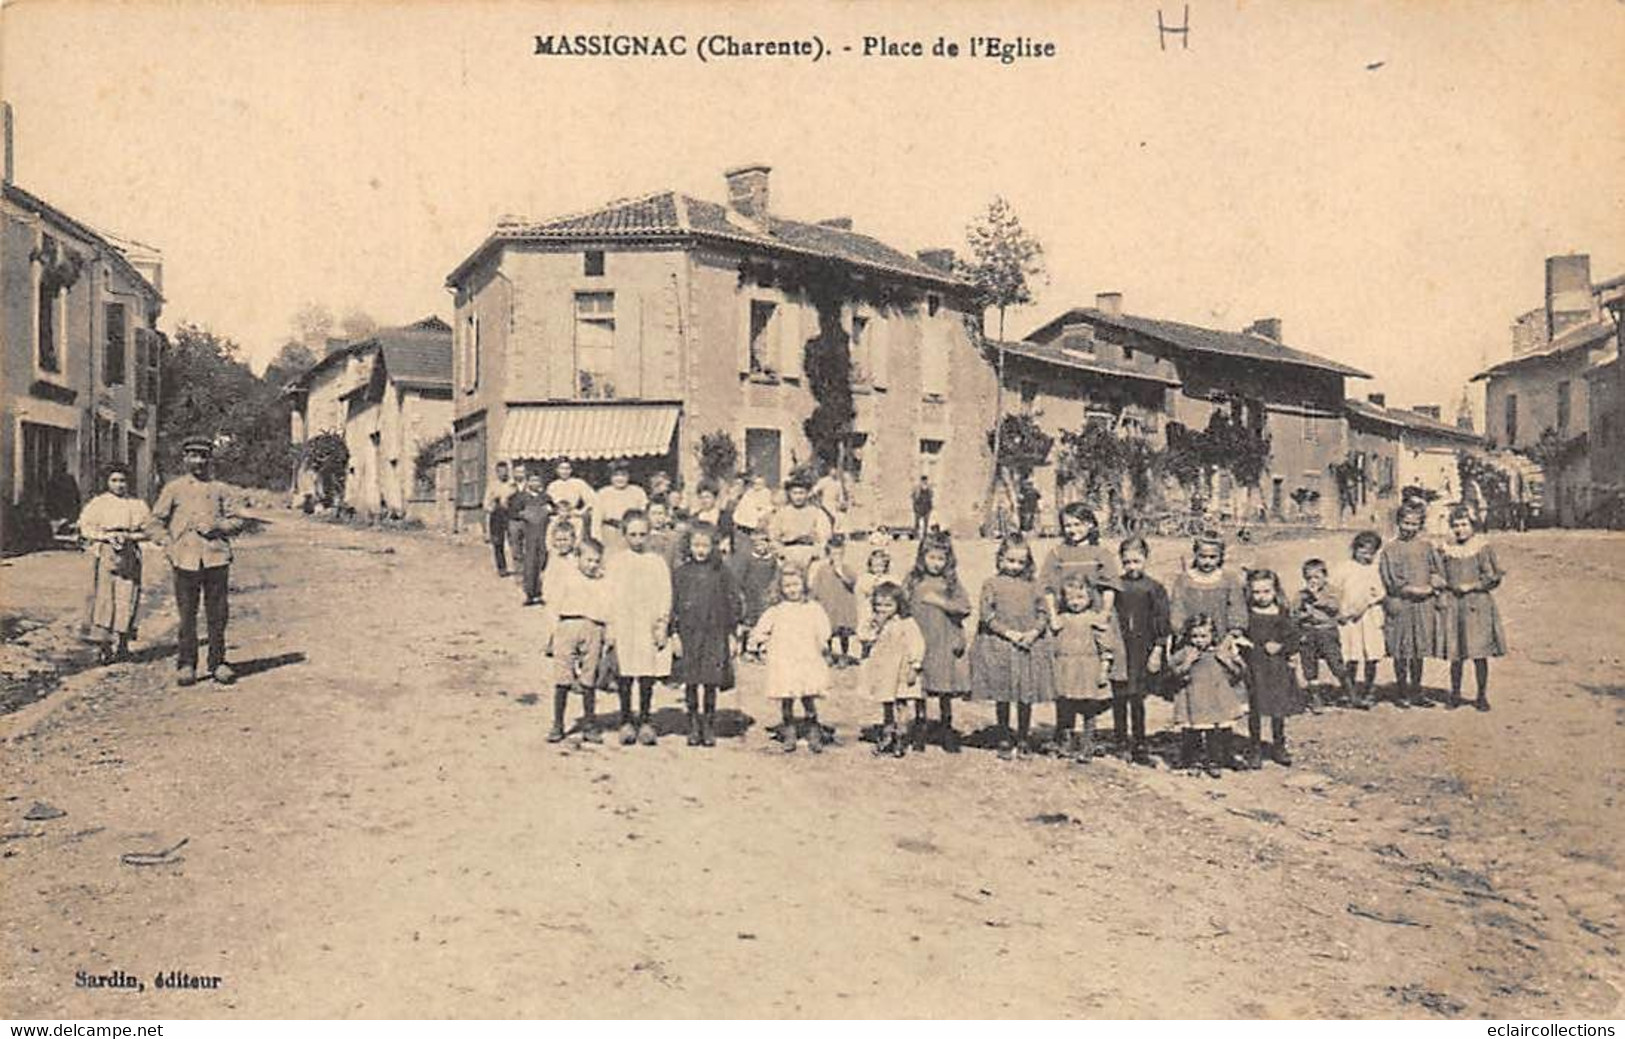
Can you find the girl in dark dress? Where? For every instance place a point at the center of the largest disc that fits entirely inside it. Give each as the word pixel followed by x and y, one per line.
pixel 705 611
pixel 1268 647
pixel 1142 619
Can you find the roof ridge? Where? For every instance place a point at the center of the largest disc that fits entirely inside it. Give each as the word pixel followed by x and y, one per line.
pixel 592 210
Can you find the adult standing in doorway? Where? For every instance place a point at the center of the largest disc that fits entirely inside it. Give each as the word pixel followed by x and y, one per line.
pixel 751 513
pixel 113 527
pixel 497 497
pixel 923 502
pixel 572 498
pixel 193 522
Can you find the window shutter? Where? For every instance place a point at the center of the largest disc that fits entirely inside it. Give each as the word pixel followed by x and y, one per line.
pixel 742 354
pixel 628 344
pixel 792 322
pixel 474 350
pixel 880 330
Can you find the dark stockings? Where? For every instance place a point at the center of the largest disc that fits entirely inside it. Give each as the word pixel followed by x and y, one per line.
pixel 1481 678
pixel 646 694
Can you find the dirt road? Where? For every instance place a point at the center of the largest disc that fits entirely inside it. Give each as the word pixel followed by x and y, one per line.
pixel 375 826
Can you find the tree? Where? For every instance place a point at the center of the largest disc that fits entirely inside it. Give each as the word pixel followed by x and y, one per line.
pixel 208 391
pixel 293 360
pixel 1005 261
pixel 718 455
pixel 357 324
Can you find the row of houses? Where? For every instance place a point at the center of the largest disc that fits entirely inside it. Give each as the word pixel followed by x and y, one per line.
pixel 631 330
pixel 80 366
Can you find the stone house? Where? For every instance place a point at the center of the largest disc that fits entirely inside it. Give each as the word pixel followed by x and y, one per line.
pixel 1099 364
pixel 81 355
pixel 634 329
pixel 1396 448
pixel 1543 386
pixel 389 396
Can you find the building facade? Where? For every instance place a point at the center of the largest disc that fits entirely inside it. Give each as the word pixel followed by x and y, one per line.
pixel 1144 375
pixel 1395 449
pixel 636 329
pixel 81 360
pixel 1543 389
pixel 390 397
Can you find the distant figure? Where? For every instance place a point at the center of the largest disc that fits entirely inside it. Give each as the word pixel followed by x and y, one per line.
pixel 1027 506
pixel 923 501
pixel 516 530
pixel 191 520
pixel 497 497
pixel 113 526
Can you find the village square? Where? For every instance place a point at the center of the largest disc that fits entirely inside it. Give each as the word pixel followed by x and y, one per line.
pixel 714 608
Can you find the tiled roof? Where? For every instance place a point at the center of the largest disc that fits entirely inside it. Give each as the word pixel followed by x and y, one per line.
pixel 1198 340
pixel 38 206
pixel 1050 354
pixel 1577 338
pixel 418 354
pixel 669 214
pixel 417 359
pixel 1414 420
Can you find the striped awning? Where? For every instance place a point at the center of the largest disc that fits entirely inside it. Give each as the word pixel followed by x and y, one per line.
pixel 599 430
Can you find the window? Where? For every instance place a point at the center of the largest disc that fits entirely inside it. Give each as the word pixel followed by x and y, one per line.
pixel 50 289
pixel 933 303
pixel 761 341
pixel 860 349
pixel 1079 340
pixel 934 366
pixel 592 263
pixel 1311 430
pixel 1512 420
pixel 152 368
pixel 1563 406
pixel 1128 353
pixel 117 332
pixel 595 345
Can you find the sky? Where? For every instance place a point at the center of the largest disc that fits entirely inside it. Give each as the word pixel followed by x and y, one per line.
pixel 351 154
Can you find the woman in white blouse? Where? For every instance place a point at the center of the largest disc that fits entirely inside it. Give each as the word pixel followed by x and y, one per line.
pixel 111 525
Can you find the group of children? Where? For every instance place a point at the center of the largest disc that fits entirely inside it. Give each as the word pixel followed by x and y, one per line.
pixel 1083 631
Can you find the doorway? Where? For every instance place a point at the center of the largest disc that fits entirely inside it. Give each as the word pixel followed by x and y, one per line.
pixel 762 454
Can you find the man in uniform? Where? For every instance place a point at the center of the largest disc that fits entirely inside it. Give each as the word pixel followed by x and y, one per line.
pixel 192 522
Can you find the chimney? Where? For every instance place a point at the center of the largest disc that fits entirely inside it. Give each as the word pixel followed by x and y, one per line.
pixel 840 223
pixel 1379 399
pixel 5 114
pixel 1266 327
pixel 1432 411
pixel 747 189
pixel 1109 303
pixel 941 259
pixel 1568 292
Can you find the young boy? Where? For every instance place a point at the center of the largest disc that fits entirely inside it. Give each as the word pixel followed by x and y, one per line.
pixel 755 574
pixel 578 644
pixel 1317 613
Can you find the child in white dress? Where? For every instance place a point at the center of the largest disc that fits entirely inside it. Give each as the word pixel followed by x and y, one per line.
pixel 1357 582
pixel 793 639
